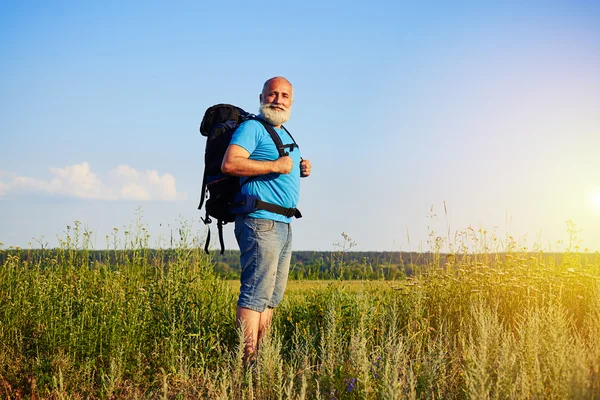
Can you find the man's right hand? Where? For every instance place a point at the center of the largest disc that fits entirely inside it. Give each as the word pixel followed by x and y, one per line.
pixel 283 165
pixel 236 162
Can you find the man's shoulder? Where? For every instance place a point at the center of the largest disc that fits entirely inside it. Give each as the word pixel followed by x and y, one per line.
pixel 251 127
pixel 249 134
pixel 252 124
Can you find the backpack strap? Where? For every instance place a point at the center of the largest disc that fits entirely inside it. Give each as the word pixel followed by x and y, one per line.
pixel 287 212
pixel 293 140
pixel 278 143
pixel 221 241
pixel 220 224
pixel 203 192
pixel 207 222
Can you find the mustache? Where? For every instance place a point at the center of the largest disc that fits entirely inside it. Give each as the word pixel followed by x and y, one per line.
pixel 276 106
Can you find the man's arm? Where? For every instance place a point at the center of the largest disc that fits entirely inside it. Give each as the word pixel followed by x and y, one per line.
pixel 236 162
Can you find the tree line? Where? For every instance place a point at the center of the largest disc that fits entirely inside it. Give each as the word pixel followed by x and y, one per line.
pixel 372 265
pixel 304 264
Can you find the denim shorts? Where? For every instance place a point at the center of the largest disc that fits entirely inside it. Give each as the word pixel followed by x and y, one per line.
pixel 265 255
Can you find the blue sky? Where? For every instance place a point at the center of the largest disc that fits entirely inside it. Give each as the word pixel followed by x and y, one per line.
pixel 491 109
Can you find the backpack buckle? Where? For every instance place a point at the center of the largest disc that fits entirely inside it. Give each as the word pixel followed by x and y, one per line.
pixel 243 204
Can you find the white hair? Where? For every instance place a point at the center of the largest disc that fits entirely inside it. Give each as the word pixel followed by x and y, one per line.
pixel 275 115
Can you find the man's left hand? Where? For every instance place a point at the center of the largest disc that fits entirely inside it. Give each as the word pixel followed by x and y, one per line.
pixel 305 167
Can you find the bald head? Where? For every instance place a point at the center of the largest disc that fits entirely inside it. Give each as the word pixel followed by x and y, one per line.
pixel 276 81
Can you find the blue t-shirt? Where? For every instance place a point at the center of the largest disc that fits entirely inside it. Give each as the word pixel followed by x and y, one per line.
pixel 280 189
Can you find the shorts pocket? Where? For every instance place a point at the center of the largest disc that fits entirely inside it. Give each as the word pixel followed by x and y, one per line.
pixel 263 225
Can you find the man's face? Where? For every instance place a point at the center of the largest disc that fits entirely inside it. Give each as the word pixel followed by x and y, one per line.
pixel 276 101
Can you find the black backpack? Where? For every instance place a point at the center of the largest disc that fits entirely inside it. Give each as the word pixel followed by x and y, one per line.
pixel 224 199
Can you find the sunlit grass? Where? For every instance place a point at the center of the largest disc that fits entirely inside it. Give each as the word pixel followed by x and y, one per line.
pixel 490 320
pixel 301 287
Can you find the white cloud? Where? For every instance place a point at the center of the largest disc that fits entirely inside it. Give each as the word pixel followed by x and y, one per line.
pixel 126 171
pixel 3 189
pixel 122 183
pixel 134 191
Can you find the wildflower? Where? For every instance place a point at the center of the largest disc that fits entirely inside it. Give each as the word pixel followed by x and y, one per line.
pixel 350 384
pixel 374 367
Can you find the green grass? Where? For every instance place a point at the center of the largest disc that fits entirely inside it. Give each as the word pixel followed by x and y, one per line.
pixel 141 326
pixel 297 288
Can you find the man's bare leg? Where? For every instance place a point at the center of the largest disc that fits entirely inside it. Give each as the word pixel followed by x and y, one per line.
pixel 250 320
pixel 255 325
pixel 266 317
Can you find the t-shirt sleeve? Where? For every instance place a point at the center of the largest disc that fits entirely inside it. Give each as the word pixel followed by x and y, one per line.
pixel 247 135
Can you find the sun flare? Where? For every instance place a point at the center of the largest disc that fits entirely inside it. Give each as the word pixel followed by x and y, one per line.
pixel 595 200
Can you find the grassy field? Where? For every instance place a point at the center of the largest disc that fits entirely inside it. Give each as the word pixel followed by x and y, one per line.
pixel 482 326
pixel 300 288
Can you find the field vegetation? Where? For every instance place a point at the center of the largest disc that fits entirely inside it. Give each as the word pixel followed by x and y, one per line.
pixel 489 319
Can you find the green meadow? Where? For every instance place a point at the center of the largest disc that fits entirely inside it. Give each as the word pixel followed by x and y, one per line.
pixel 475 323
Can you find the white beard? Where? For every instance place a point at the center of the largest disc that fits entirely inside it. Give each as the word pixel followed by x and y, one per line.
pixel 275 116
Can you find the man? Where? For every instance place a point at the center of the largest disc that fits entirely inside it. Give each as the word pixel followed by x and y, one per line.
pixel 264 237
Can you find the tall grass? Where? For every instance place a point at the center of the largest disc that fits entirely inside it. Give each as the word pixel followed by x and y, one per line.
pixel 483 325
